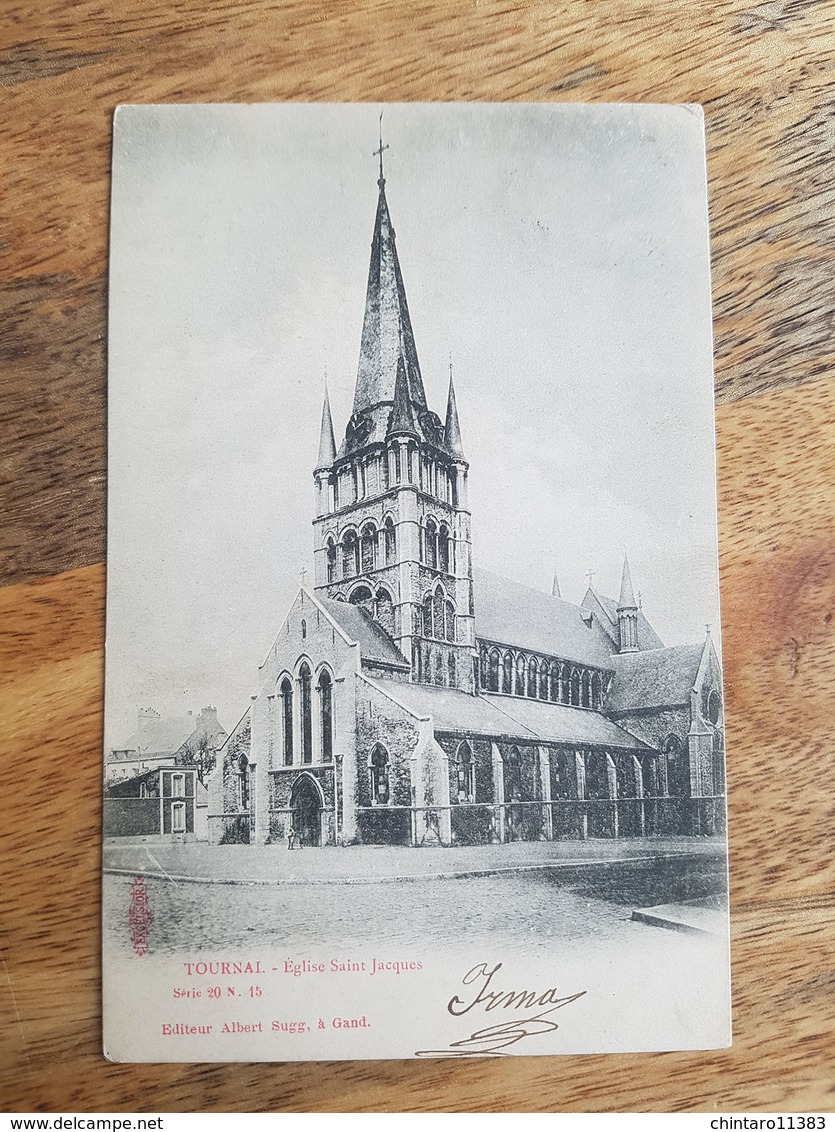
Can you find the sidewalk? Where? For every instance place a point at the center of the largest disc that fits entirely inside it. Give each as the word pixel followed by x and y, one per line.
pixel 360 864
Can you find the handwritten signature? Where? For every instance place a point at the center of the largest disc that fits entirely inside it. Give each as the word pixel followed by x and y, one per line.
pixel 492 1041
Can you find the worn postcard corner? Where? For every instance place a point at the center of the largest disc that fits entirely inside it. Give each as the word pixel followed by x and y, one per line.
pixel 414 736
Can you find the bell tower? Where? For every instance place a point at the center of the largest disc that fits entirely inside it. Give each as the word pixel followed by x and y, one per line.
pixel 392 525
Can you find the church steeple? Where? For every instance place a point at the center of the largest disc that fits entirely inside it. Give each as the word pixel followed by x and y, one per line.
pixel 327 444
pixel 387 336
pixel 627 612
pixel 392 527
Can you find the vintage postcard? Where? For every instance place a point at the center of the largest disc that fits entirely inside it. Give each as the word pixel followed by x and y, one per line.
pixel 414 737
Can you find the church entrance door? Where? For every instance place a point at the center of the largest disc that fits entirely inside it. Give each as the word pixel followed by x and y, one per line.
pixel 306 803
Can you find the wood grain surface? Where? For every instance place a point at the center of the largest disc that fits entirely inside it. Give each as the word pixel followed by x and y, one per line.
pixel 765 76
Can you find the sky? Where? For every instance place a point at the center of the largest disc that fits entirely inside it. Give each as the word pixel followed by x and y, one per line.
pixel 556 253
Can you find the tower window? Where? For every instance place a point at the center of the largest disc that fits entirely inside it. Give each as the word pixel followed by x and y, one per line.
pixel 390 540
pixel 450 621
pixel 443 548
pixel 368 547
pixel 350 555
pixel 431 546
pixel 330 552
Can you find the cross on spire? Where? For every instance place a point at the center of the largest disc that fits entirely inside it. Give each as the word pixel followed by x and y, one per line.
pixel 379 152
pixel 590 574
pixel 303 574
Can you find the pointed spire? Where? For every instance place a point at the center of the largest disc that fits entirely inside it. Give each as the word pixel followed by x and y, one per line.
pixel 327 444
pixel 402 417
pixel 452 429
pixel 387 336
pixel 627 595
pixel 555 586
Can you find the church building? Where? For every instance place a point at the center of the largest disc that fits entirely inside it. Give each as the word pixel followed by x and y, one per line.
pixel 412 698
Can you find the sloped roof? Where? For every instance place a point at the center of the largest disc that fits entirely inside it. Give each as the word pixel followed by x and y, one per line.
pixel 374 642
pixel 513 614
pixel 647 636
pixel 160 736
pixel 655 678
pixel 509 717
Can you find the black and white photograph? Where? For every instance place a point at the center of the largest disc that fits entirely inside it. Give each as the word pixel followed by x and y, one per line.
pixel 414 726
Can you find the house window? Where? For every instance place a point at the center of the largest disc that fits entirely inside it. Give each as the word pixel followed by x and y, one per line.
pixel 178 817
pixel 306 714
pixel 379 767
pixel 326 714
pixel 178 786
pixel 287 722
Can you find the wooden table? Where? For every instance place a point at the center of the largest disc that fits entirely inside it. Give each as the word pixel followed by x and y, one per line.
pixel 765 76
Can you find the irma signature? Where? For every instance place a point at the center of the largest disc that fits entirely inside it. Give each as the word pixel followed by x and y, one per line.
pixel 493 1040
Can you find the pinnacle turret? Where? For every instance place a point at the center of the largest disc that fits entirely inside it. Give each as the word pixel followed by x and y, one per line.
pixel 327 444
pixel 452 429
pixel 402 417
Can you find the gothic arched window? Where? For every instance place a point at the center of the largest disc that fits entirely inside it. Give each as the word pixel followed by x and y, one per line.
pixel 565 685
pixel 596 691
pixel 431 544
pixel 325 689
pixel 287 722
pixel 438 615
pixel 512 775
pixel 390 542
pixel 350 555
pixel 443 548
pixel 306 713
pixel 484 665
pixel 385 611
pixel 493 682
pixel 427 616
pixel 379 767
pixel 450 621
pixel 520 676
pixel 331 558
pixel 575 687
pixel 554 682
pixel 585 685
pixel 465 773
pixel 368 547
pixel 507 673
pixel 533 674
pixel 543 680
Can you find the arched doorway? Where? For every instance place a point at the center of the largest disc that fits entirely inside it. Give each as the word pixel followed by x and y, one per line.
pixel 306 803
